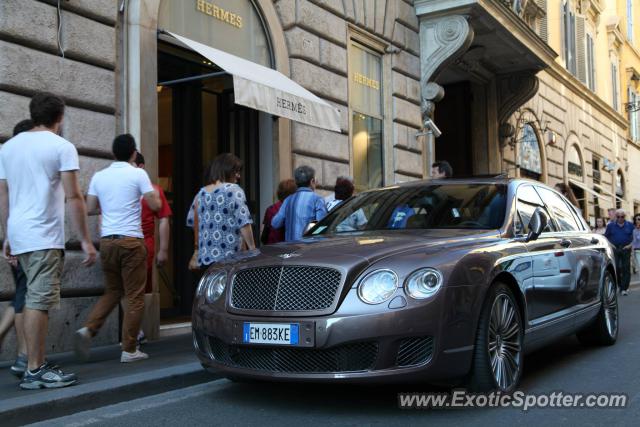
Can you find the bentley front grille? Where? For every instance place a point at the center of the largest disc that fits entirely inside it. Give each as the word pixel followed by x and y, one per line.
pixel 285 288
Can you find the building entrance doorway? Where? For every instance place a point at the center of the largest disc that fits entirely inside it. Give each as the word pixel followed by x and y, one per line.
pixel 197 120
pixel 453 117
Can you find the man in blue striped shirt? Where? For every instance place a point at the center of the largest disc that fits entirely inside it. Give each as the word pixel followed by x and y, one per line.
pixel 302 207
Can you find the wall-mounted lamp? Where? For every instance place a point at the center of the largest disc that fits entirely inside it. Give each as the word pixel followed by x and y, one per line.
pixel 550 136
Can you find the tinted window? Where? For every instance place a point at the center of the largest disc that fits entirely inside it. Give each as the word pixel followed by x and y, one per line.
pixel 565 219
pixel 480 206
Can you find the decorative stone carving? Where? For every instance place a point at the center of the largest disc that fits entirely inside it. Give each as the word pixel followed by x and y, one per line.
pixel 431 93
pixel 442 40
pixel 513 91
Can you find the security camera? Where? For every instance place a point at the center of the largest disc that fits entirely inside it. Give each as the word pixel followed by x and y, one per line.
pixel 430 125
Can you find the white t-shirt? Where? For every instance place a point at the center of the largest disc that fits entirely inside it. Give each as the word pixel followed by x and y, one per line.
pixel 118 189
pixel 31 163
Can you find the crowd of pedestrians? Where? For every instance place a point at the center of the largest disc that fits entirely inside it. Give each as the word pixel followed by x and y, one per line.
pixel 38 175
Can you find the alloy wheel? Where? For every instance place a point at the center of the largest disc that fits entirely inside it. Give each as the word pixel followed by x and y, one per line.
pixel 504 342
pixel 610 302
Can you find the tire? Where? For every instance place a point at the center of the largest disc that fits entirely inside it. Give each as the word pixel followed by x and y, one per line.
pixel 604 328
pixel 499 339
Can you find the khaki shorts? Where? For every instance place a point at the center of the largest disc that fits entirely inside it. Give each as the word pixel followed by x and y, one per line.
pixel 44 273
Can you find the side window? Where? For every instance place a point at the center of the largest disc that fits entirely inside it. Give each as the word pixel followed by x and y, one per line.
pixel 576 216
pixel 528 201
pixel 559 209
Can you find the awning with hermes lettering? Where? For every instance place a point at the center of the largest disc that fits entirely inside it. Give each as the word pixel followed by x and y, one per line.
pixel 261 88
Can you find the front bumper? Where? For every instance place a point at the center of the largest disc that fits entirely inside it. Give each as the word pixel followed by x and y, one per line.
pixel 415 343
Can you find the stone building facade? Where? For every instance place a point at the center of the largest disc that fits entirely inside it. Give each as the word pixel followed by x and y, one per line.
pixel 544 79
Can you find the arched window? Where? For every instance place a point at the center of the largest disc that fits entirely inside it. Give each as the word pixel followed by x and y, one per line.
pixel 574 163
pixel 530 157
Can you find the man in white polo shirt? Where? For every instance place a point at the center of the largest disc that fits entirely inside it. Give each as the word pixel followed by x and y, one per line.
pixel 115 193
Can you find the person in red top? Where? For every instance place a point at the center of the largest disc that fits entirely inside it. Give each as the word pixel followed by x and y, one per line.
pixel 149 229
pixel 274 235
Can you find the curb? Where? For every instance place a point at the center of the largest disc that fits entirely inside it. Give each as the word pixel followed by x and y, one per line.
pixel 57 403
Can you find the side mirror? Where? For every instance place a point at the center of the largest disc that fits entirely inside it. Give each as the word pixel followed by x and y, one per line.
pixel 537 224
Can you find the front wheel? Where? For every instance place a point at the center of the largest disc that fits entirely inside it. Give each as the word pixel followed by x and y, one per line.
pixel 604 328
pixel 497 359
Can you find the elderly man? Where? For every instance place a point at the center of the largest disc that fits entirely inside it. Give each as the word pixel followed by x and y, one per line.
pixel 302 207
pixel 620 234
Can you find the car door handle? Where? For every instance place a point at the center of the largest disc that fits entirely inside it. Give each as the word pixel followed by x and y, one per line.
pixel 565 243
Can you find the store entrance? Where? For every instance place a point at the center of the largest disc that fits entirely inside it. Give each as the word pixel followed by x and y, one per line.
pixel 197 120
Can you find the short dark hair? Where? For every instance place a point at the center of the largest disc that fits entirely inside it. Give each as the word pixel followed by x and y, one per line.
pixel 444 167
pixel 139 159
pixel 304 175
pixel 223 168
pixel 23 126
pixel 286 188
pixel 46 109
pixel 123 147
pixel 344 188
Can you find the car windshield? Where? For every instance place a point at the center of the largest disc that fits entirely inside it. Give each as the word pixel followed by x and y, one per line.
pixel 437 206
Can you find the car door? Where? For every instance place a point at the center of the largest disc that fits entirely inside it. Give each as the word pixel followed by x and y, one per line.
pixel 581 254
pixel 540 296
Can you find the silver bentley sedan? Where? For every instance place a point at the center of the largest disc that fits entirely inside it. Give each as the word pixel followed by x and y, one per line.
pixel 444 281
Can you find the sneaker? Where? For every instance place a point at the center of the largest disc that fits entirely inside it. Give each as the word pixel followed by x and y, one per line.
pixel 47 376
pixel 625 293
pixel 142 338
pixel 82 344
pixel 19 366
pixel 133 357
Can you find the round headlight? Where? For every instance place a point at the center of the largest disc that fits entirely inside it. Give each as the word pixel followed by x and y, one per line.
pixel 212 286
pixel 423 283
pixel 378 286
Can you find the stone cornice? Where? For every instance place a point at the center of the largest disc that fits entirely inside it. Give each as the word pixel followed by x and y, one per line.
pixel 499 12
pixel 616 39
pixel 576 86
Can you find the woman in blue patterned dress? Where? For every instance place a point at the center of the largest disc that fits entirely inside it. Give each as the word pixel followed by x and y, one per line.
pixel 219 215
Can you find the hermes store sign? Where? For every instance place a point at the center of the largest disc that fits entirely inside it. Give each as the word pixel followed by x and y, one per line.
pixel 216 12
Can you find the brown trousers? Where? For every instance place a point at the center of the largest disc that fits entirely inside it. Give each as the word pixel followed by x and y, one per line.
pixel 125 275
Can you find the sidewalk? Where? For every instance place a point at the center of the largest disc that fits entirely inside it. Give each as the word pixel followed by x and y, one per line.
pixel 103 380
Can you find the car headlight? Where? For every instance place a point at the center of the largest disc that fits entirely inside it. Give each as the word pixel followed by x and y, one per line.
pixel 212 285
pixel 423 283
pixel 378 286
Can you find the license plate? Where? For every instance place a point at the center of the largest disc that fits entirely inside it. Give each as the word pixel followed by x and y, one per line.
pixel 270 333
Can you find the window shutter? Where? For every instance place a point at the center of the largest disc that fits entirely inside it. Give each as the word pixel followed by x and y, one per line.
pixel 543 26
pixel 563 32
pixel 581 57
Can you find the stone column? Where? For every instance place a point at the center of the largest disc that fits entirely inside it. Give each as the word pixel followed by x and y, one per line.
pixel 443 39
